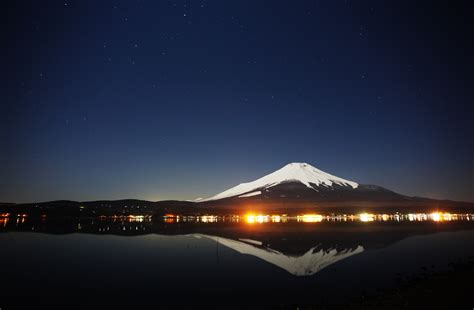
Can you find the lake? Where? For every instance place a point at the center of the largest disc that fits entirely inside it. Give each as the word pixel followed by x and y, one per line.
pixel 256 261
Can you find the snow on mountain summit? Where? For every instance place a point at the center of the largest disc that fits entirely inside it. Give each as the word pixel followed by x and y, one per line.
pixel 293 172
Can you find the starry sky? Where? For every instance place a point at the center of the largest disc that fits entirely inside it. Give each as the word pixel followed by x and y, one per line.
pixel 183 99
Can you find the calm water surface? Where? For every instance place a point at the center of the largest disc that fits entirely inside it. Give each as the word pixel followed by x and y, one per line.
pixel 130 263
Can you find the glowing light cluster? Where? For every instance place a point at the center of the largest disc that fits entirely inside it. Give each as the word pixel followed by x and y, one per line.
pixel 310 218
pixel 366 217
pixel 439 217
pixel 250 218
pixel 417 217
pixel 260 218
pixel 136 218
pixel 276 218
pixel 209 218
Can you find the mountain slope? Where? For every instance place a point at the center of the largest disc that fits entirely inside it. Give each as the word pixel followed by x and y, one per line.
pixel 303 173
pixel 301 181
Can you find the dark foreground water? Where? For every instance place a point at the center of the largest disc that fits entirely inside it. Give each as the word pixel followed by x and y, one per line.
pixel 161 264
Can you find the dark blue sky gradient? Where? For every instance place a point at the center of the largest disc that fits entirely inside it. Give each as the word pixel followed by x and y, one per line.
pixel 176 100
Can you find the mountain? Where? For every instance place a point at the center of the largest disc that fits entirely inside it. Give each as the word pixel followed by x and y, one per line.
pixel 293 188
pixel 303 182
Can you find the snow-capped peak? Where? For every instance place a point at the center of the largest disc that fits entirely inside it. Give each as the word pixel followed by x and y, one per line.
pixel 296 172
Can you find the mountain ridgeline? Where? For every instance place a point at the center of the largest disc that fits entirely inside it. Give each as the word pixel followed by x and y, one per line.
pixel 301 181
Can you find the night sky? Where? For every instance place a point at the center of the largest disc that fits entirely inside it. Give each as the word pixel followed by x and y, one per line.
pixel 177 100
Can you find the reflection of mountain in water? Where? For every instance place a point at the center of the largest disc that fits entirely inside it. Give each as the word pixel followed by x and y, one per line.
pixel 307 264
pixel 282 244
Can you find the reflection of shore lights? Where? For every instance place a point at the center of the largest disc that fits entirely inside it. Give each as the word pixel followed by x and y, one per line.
pixel 4 221
pixel 366 217
pixel 309 218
